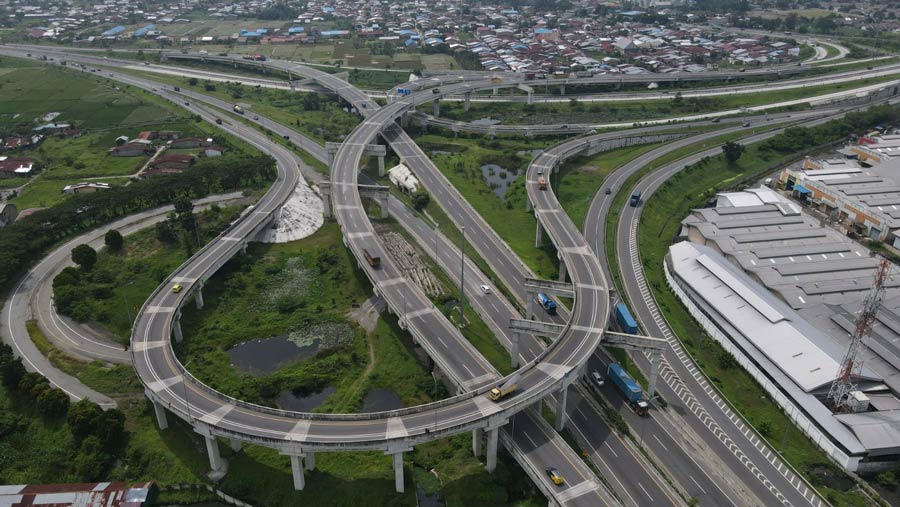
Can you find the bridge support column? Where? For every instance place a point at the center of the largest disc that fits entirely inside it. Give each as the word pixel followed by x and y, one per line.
pixel 380 166
pixel 326 200
pixel 537 235
pixel 235 445
pixel 212 449
pixel 514 350
pixel 562 271
pixel 244 247
pixel 477 438
pixel 398 471
pixel 529 312
pixel 198 296
pixel 383 204
pixel 562 89
pixel 490 463
pixel 495 91
pixel 528 205
pixel 310 459
pixel 297 472
pixel 161 419
pixel 436 108
pixel 176 328
pixel 467 103
pixel 404 120
pixel 561 408
pixel 530 97
pixel 655 358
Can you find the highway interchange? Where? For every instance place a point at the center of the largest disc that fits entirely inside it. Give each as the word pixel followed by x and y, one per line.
pixel 583 267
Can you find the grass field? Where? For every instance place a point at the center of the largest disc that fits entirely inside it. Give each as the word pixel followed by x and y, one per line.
pixel 660 221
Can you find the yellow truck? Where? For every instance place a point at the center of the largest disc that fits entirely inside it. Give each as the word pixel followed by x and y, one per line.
pixel 500 392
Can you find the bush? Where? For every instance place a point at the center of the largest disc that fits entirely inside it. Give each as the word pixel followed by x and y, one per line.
pixel 114 240
pixel 84 256
pixel 53 403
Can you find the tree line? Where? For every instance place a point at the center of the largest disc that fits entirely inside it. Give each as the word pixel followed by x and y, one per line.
pixel 28 239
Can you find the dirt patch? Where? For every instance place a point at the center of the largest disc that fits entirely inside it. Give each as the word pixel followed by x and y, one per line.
pixel 409 261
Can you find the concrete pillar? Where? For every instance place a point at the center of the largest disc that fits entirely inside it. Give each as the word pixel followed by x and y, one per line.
pixel 398 471
pixel 297 472
pixel 380 165
pixel 326 203
pixel 468 101
pixel 477 438
pixel 198 296
pixel 562 271
pixel 490 463
pixel 161 419
pixel 383 204
pixel 514 350
pixel 529 313
pixel 235 445
pixel 512 92
pixel 531 97
pixel 655 358
pixel 495 91
pixel 310 459
pixel 436 108
pixel 537 235
pixel 244 247
pixel 176 328
pixel 528 206
pixel 561 408
pixel 404 120
pixel 212 449
pixel 562 89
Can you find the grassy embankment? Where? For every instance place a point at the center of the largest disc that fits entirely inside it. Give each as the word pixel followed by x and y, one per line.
pixel 638 110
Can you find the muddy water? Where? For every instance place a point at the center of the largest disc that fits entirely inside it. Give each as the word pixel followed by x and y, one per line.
pixel 380 400
pixel 288 400
pixel 498 178
pixel 261 357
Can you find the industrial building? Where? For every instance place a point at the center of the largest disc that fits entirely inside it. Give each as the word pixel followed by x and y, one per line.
pixel 101 494
pixel 779 290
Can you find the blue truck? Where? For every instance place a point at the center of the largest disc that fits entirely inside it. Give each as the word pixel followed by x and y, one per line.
pixel 633 393
pixel 548 304
pixel 635 198
pixel 625 320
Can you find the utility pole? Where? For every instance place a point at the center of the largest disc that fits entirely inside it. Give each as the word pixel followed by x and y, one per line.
pixel 462 273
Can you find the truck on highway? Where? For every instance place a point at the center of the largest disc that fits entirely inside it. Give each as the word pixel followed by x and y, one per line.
pixel 635 199
pixel 503 390
pixel 548 304
pixel 177 89
pixel 542 183
pixel 625 320
pixel 238 109
pixel 633 393
pixel 373 260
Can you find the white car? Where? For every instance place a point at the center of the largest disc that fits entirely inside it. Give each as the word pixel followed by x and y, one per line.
pixel 485 289
pixel 597 378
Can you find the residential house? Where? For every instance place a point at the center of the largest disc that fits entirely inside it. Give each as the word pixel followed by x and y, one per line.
pixel 85 187
pixel 131 150
pixel 16 166
pixel 8 214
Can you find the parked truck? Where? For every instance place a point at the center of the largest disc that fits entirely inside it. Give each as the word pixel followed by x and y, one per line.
pixel 373 260
pixel 633 393
pixel 238 109
pixel 548 304
pixel 504 390
pixel 542 183
pixel 625 320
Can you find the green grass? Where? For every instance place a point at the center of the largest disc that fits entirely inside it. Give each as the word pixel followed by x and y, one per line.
pixel 658 224
pixel 44 192
pixel 639 110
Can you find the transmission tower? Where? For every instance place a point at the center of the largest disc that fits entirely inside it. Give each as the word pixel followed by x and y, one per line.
pixel 851 365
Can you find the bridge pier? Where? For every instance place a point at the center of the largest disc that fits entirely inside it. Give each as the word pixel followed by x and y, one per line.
pixel 528 205
pixel 436 108
pixel 176 328
pixel 477 442
pixel 297 472
pixel 490 463
pixel 562 271
pixel 198 295
pixel 514 350
pixel 495 91
pixel 310 459
pixel 529 313
pixel 562 89
pixel 530 98
pixel 235 444
pixel 655 358
pixel 538 239
pixel 161 420
pixel 397 457
pixel 380 166
pixel 212 449
pixel 326 199
pixel 467 103
pixel 561 408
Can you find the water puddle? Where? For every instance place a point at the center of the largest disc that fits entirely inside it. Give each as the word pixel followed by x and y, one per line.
pixel 264 356
pixel 288 400
pixel 381 400
pixel 498 179
pixel 486 121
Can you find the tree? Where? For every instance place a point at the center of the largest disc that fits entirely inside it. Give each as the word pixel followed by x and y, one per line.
pixel 11 368
pixel 111 429
pixel 84 256
pixel 83 417
pixel 732 151
pixel 165 233
pixel 92 460
pixel 114 240
pixel 311 102
pixel 420 200
pixel 193 81
pixel 53 403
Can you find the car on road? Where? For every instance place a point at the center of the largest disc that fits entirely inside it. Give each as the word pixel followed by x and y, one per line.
pixel 554 476
pixel 287 137
pixel 716 120
pixel 607 191
pixel 256 117
pixel 177 288
pixel 597 378
pixel 746 123
pixel 540 171
pixel 187 103
pixel 485 289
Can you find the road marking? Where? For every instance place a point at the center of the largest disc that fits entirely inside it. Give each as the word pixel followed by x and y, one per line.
pixel 395 428
pixel 582 488
pixel 645 492
pixel 698 484
pixel 213 418
pixel 556 371
pixel 161 385
pixel 485 406
pixel 660 443
pixel 613 451
pixel 142 346
pixel 299 432
pixel 419 313
pixel 159 309
pixel 356 235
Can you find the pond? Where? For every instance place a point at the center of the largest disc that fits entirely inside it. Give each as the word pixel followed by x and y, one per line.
pixel 498 179
pixel 288 400
pixel 381 400
pixel 486 121
pixel 264 356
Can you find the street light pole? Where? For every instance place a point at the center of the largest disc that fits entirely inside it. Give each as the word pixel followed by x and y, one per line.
pixel 462 274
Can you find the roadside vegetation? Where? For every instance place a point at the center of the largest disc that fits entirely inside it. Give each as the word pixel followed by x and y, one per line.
pixel 660 222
